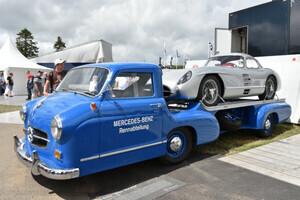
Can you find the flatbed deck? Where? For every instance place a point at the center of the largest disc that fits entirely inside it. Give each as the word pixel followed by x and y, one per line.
pixel 240 103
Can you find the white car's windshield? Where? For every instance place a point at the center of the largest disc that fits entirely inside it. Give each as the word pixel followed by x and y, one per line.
pixel 87 80
pixel 229 61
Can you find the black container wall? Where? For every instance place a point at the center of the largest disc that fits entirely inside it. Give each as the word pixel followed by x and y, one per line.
pixel 294 46
pixel 268 28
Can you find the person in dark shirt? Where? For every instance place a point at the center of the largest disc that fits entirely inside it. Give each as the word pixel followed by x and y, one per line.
pixel 38 85
pixel 2 84
pixel 55 77
pixel 10 84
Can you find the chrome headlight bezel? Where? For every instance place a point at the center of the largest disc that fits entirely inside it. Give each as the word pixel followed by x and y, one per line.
pixel 187 76
pixel 22 112
pixel 56 127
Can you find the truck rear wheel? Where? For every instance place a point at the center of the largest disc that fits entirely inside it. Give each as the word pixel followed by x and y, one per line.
pixel 179 146
pixel 268 127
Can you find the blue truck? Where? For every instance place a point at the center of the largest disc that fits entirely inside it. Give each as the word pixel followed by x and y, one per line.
pixel 104 116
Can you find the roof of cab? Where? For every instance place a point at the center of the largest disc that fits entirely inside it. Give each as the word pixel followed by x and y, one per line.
pixel 119 66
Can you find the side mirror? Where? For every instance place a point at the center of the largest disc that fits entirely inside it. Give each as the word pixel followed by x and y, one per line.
pixel 109 90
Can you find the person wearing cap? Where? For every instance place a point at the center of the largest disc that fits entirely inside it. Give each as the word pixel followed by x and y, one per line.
pixel 29 84
pixel 38 85
pixel 55 77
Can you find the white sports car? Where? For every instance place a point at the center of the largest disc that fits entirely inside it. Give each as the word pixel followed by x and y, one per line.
pixel 226 76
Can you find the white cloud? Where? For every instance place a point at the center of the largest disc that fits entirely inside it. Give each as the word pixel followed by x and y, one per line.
pixel 137 29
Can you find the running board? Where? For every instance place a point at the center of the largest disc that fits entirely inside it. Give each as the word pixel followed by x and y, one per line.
pixel 240 103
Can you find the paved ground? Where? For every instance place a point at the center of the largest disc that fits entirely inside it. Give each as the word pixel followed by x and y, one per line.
pixel 16 100
pixel 279 160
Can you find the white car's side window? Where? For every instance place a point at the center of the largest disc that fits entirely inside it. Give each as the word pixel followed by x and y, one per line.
pixel 252 64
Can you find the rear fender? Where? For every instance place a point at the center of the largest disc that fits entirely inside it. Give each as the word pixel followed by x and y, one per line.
pixel 280 111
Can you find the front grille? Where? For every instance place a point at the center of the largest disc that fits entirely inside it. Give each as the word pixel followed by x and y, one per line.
pixel 37 137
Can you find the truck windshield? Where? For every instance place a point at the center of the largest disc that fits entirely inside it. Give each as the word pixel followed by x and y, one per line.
pixel 87 81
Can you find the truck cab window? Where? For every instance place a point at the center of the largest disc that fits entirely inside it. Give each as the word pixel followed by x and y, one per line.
pixel 128 85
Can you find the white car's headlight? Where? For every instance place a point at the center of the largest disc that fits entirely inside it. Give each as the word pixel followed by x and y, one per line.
pixel 185 78
pixel 22 112
pixel 56 127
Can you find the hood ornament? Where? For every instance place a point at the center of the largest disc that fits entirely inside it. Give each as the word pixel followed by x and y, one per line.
pixel 40 102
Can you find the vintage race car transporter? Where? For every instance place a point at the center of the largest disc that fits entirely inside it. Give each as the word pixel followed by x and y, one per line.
pixel 104 116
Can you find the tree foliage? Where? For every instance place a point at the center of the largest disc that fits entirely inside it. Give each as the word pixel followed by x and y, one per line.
pixel 26 45
pixel 59 44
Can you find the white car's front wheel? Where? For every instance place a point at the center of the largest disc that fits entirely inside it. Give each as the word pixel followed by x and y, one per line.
pixel 209 91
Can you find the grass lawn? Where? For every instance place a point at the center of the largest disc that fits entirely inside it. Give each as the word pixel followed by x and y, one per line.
pixel 237 141
pixel 6 108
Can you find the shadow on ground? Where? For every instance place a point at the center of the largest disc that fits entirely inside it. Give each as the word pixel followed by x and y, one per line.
pixel 116 179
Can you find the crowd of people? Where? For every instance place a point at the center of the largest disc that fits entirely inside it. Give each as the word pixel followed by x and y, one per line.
pixel 38 85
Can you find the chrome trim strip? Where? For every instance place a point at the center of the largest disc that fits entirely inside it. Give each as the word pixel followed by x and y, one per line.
pixel 245 87
pixel 89 158
pixel 131 149
pixel 122 151
pixel 41 138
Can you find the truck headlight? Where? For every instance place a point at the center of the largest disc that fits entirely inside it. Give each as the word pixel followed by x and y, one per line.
pixel 22 112
pixel 56 127
pixel 185 78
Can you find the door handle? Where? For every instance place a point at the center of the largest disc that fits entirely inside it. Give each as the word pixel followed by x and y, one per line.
pixel 156 105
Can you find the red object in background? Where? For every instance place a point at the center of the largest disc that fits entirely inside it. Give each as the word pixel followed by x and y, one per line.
pixel 294 59
pixel 228 64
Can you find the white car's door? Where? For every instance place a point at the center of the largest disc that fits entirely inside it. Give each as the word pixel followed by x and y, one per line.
pixel 254 73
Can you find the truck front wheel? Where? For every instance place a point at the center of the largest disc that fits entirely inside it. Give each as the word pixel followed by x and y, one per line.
pixel 179 146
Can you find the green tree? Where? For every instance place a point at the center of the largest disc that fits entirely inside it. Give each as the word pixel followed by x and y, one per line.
pixel 59 44
pixel 26 45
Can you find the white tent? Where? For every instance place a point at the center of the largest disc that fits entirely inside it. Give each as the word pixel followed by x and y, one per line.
pixel 11 60
pixel 92 52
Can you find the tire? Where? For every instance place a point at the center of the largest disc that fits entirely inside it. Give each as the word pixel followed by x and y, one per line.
pixel 270 89
pixel 179 146
pixel 209 83
pixel 268 127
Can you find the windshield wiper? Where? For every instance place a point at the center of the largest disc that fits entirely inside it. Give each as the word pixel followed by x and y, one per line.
pixel 68 90
pixel 89 93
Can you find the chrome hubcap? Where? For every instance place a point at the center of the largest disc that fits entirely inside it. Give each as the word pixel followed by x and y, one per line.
pixel 176 144
pixel 267 124
pixel 270 88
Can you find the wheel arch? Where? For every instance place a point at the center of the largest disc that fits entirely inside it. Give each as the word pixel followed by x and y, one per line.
pixel 220 80
pixel 190 129
pixel 277 79
pixel 275 117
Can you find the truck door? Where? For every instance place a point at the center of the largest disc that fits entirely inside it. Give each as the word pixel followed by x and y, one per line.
pixel 131 115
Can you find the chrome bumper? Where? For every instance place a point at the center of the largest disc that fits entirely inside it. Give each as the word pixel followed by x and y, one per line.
pixel 37 167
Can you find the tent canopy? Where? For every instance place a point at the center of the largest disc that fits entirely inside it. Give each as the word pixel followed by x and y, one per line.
pixel 11 57
pixel 11 60
pixel 92 52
